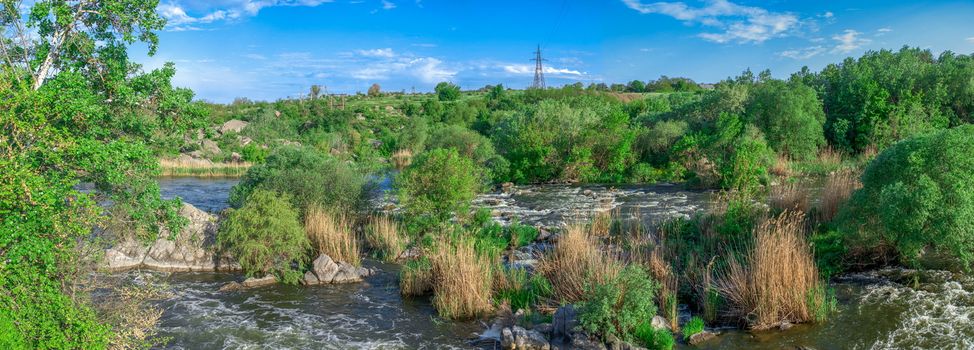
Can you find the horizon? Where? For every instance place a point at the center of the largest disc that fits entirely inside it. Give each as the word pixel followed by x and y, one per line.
pixel 268 50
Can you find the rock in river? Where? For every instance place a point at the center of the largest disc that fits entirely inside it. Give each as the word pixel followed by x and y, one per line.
pixel 324 270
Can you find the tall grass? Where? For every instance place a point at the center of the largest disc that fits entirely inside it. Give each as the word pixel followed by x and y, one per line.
pixel 383 236
pixel 781 166
pixel 791 196
pixel 461 280
pixel 402 158
pixel 576 262
pixel 201 168
pixel 416 277
pixel 332 234
pixel 838 188
pixel 776 281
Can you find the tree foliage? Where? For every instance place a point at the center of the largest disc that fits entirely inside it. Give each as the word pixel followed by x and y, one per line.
pixel 265 236
pixel 440 183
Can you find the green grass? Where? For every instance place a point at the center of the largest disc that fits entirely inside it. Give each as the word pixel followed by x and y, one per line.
pixel 694 326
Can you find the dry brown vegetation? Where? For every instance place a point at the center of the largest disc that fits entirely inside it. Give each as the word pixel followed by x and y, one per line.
pixel 201 168
pixel 838 188
pixel 830 157
pixel 461 280
pixel 402 158
pixel 383 235
pixel 777 279
pixel 415 279
pixel 333 235
pixel 575 262
pixel 781 167
pixel 791 196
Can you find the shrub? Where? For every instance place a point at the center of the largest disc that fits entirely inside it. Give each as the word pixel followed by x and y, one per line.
pixel 574 263
pixel 332 234
pixel 461 280
pixel 777 276
pixel 694 326
pixel 439 183
pixel 265 236
pixel 618 306
pixel 308 177
pixel 446 91
pixel 416 277
pixel 384 236
pixel 402 158
pixel 919 194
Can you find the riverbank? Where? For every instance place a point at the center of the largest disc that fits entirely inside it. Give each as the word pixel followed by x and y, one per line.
pixel 191 167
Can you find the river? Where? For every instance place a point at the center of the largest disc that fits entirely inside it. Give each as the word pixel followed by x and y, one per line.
pixel 885 309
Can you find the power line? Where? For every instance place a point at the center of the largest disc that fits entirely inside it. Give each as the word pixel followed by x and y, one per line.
pixel 538 69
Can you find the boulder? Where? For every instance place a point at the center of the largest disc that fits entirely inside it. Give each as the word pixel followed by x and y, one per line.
pixel 564 320
pixel 701 337
pixel 518 338
pixel 233 125
pixel 660 323
pixel 324 270
pixel 236 157
pixel 210 146
pixel 231 287
pixel 254 282
pixel 583 342
pixel 192 249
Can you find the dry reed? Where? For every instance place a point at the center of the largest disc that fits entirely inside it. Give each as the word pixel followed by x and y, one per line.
pixel 777 280
pixel 461 280
pixel 781 167
pixel 416 278
pixel 791 196
pixel 332 235
pixel 202 168
pixel 575 262
pixel 830 157
pixel 402 158
pixel 382 234
pixel 838 188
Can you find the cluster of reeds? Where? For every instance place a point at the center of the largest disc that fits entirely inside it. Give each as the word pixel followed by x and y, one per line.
pixel 790 196
pixel 830 157
pixel 199 168
pixel 402 158
pixel 576 262
pixel 776 280
pixel 838 188
pixel 416 277
pixel 461 279
pixel 332 234
pixel 383 236
pixel 781 167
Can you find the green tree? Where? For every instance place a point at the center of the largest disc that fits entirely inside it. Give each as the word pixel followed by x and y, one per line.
pixel 265 236
pixel 440 183
pixel 791 117
pixel 447 91
pixel 918 194
pixel 617 308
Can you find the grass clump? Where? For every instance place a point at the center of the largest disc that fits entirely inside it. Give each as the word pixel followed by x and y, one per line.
pixel 653 338
pixel 575 262
pixel 383 235
pixel 416 277
pixel 333 235
pixel 789 196
pixel 265 236
pixel 694 326
pixel 520 291
pixel 618 306
pixel 838 188
pixel 461 279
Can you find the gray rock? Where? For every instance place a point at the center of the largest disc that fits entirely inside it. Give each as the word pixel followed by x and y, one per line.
pixel 325 270
pixel 564 320
pixel 543 328
pixel 518 338
pixel 236 157
pixel 701 337
pixel 210 146
pixel 254 282
pixel 582 342
pixel 785 325
pixel 660 323
pixel 233 125
pixel 231 287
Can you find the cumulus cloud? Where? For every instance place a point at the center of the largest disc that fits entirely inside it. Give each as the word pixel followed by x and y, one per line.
pixel 388 5
pixel 735 23
pixel 849 41
pixel 386 52
pixel 804 53
pixel 970 40
pixel 529 69
pixel 190 15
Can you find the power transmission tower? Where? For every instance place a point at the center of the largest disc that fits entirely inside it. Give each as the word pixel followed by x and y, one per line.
pixel 538 69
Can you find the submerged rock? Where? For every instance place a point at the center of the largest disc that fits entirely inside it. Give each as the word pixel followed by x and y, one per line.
pixel 192 249
pixel 254 282
pixel 701 337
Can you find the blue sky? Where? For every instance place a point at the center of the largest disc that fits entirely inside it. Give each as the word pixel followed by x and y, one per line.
pixel 269 49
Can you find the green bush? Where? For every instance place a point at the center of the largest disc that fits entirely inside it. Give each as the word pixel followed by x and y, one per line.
pixel 308 177
pixel 919 194
pixel 618 307
pixel 439 183
pixel 470 144
pixel 694 326
pixel 265 236
pixel 654 339
pixel 790 115
pixel 446 91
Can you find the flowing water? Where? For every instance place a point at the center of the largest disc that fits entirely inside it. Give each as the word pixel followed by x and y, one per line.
pixel 885 309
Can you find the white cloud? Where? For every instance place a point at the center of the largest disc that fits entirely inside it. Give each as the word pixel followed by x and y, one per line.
pixel 529 69
pixel 255 56
pixel 849 41
pixel 388 5
pixel 804 53
pixel 429 70
pixel 970 40
pixel 737 23
pixel 884 30
pixel 828 14
pixel 386 52
pixel 184 15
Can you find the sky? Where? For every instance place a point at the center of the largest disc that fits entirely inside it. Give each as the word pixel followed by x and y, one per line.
pixel 271 49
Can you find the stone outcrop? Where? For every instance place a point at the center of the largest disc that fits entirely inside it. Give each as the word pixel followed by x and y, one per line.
pixel 562 323
pixel 518 338
pixel 324 270
pixel 233 125
pixel 210 146
pixel 193 249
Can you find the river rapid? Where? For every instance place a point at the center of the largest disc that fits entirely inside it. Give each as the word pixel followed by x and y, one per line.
pixel 885 309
